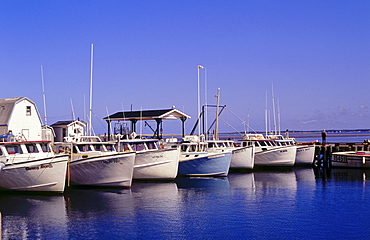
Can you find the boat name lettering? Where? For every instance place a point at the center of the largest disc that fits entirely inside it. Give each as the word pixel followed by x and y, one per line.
pixel 111 160
pixel 283 150
pixel 42 166
pixel 239 151
pixel 158 156
pixel 337 158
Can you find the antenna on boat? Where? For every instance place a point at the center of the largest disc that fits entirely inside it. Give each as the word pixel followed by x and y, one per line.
pixel 43 95
pixel 91 78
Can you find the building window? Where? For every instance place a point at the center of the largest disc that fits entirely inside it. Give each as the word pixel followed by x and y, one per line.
pixel 28 111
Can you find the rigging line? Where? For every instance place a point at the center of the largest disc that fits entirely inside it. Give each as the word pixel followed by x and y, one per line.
pixel 228 124
pixel 242 120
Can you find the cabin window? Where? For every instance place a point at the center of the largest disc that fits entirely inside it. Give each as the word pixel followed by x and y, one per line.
pixel 138 147
pixel 99 147
pixel 110 147
pixel 13 149
pixel 151 145
pixel 183 148
pixel 1 152
pixel 31 148
pixel 45 147
pixel 28 110
pixel 125 147
pixel 84 148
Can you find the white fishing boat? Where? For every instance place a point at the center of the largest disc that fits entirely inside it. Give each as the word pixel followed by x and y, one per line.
pixel 97 163
pixel 305 152
pixel 152 161
pixel 242 157
pixel 268 154
pixel 32 166
pixel 351 159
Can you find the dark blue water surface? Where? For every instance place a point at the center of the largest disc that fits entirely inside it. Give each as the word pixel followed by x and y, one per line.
pixel 292 204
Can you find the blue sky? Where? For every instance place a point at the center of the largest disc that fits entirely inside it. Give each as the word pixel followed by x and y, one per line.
pixel 316 54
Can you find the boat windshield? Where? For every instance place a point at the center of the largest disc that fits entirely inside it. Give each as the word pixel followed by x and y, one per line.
pixel 152 145
pixel 110 147
pixel 211 145
pixel 84 148
pixel 125 147
pixel 138 146
pixel 13 149
pixel 32 148
pixel 45 147
pixel 99 147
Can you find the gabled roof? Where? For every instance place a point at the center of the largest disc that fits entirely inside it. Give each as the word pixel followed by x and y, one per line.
pixel 66 123
pixel 147 115
pixel 6 108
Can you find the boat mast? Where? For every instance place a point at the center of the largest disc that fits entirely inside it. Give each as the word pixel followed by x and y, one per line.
pixel 273 107
pixel 91 78
pixel 217 106
pixel 199 67
pixel 43 95
pixel 266 120
pixel 73 111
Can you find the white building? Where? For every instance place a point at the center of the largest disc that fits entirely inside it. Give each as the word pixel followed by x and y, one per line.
pixel 70 129
pixel 20 115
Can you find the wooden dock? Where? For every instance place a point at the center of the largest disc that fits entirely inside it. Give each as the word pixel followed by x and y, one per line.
pixel 323 152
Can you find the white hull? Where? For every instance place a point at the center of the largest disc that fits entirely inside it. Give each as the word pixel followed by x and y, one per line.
pixel 243 157
pixel 276 157
pixel 157 164
pixel 305 155
pixel 46 174
pixel 113 170
pixel 351 159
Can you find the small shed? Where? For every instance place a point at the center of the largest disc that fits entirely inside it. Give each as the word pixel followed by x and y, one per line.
pixel 20 115
pixel 72 129
pixel 144 115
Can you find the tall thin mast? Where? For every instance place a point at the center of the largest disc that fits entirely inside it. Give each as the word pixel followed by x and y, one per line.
pixel 43 95
pixel 266 120
pixel 91 78
pixel 217 106
pixel 273 107
pixel 199 67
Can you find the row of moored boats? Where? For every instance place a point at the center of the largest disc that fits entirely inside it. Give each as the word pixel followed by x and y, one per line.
pixel 89 161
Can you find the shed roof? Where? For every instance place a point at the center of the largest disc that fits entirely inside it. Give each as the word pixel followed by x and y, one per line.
pixel 147 115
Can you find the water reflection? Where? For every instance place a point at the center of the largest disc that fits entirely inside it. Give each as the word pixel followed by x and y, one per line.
pixel 28 216
pixel 203 182
pixel 346 174
pixel 259 204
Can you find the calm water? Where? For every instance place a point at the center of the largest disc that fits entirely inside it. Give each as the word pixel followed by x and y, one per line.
pixel 293 204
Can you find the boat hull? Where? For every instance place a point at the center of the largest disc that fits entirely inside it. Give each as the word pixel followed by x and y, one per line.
pixel 243 158
pixel 114 170
pixel 39 175
pixel 204 164
pixel 350 159
pixel 276 157
pixel 305 155
pixel 158 164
